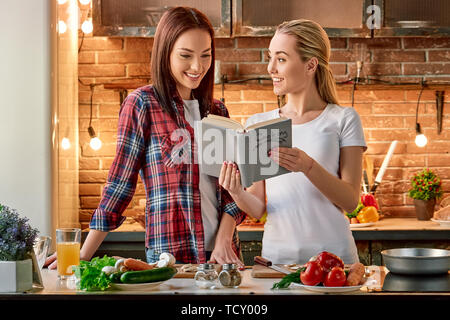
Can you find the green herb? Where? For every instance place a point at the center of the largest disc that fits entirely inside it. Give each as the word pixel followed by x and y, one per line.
pixel 425 185
pixel 355 212
pixel 90 274
pixel 288 279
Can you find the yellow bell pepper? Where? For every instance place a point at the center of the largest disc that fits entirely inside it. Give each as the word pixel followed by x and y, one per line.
pixel 263 219
pixel 368 214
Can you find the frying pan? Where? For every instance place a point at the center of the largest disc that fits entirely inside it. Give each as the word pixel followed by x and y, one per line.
pixel 417 260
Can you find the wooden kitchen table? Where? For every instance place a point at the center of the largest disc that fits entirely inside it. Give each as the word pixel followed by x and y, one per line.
pixel 179 296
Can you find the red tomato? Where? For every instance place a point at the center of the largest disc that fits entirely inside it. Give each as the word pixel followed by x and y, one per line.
pixel 335 278
pixel 312 275
pixel 329 260
pixel 368 200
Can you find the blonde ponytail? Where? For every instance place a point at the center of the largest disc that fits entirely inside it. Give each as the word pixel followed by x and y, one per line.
pixel 312 41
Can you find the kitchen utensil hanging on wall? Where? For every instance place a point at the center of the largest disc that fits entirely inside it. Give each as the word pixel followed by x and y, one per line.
pixel 439 109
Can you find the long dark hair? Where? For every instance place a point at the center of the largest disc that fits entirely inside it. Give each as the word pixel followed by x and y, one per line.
pixel 173 23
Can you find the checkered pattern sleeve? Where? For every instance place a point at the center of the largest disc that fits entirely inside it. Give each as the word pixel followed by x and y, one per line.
pixel 123 174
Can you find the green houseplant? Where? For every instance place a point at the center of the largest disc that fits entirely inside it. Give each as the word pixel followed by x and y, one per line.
pixel 16 244
pixel 425 189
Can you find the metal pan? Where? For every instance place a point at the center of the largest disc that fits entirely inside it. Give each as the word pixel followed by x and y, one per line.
pixel 417 260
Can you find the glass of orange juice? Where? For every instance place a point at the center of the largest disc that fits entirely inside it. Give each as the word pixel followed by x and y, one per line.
pixel 67 250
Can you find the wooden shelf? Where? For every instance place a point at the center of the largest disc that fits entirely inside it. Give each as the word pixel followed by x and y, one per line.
pixel 131 84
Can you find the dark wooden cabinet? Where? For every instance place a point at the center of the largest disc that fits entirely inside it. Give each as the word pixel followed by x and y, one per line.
pixel 403 18
pixel 253 18
pixel 138 18
pixel 344 18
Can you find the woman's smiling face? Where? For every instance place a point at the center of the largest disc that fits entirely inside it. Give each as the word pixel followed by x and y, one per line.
pixel 190 60
pixel 286 68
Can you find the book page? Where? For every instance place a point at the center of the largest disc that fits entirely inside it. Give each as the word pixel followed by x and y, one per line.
pixel 223 121
pixel 265 123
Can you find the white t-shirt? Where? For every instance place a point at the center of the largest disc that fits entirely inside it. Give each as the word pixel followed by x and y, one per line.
pixel 301 221
pixel 207 185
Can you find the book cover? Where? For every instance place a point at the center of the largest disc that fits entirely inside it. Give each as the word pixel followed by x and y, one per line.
pixel 222 139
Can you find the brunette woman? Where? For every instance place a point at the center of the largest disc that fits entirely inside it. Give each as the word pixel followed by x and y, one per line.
pixel 188 214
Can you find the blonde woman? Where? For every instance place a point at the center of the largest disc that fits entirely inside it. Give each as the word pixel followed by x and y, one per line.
pixel 304 207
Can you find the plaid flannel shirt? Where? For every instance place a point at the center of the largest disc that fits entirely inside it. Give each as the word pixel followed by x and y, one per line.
pixel 173 213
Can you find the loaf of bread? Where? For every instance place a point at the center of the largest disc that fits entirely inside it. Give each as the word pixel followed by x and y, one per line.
pixel 445 202
pixel 442 214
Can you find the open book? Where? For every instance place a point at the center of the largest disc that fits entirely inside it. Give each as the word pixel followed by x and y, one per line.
pixel 222 139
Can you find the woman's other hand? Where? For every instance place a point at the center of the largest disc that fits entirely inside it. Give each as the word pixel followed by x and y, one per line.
pixel 223 253
pixel 230 178
pixel 293 159
pixel 51 262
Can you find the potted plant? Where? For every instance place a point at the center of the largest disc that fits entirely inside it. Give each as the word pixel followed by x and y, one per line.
pixel 425 189
pixel 16 244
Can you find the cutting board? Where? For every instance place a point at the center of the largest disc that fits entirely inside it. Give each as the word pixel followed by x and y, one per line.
pixel 259 271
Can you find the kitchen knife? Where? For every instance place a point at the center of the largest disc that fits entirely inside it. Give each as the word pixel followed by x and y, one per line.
pixel 384 165
pixel 366 185
pixel 267 263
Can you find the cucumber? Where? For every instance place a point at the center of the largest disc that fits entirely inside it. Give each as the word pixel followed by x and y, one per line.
pixel 115 277
pixel 153 275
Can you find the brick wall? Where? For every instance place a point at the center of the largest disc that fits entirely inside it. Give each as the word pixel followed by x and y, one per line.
pixel 386 114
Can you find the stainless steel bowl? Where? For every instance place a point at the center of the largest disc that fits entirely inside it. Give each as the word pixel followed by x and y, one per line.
pixel 417 260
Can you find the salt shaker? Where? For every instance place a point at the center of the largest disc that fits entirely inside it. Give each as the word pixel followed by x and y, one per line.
pixel 206 276
pixel 230 277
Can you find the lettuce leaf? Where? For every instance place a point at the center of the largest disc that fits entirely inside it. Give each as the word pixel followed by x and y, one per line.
pixel 356 211
pixel 90 276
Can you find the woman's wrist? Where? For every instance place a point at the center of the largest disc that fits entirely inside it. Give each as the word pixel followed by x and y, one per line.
pixel 236 195
pixel 307 171
pixel 223 239
pixel 226 230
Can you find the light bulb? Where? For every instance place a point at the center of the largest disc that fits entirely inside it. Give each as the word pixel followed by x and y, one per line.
pixel 95 143
pixel 62 27
pixel 62 1
pixel 65 143
pixel 87 26
pixel 84 2
pixel 421 140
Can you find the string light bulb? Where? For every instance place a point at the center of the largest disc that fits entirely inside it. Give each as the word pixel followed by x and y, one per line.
pixel 421 139
pixel 65 143
pixel 95 142
pixel 85 2
pixel 87 26
pixel 62 27
pixel 62 1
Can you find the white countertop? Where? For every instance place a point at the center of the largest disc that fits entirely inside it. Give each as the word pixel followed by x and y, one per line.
pixel 249 285
pixel 186 286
